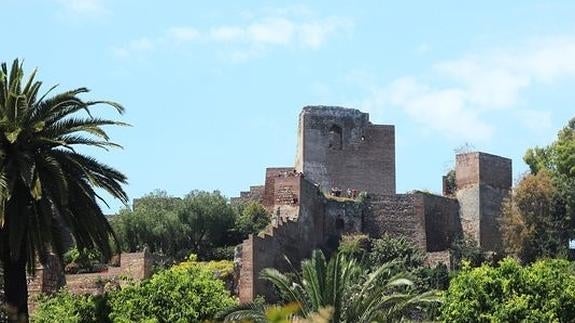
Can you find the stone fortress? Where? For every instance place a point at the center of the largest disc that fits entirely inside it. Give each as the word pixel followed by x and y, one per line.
pixel 340 153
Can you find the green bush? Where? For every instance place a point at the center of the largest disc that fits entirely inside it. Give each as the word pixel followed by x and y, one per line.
pixel 68 308
pixel 188 292
pixel 389 248
pixel 543 292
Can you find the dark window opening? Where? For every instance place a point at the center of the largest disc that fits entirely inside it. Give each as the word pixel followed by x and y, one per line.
pixel 335 137
pixel 339 224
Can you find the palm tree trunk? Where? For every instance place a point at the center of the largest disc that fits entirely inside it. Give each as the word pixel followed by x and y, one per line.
pixel 15 284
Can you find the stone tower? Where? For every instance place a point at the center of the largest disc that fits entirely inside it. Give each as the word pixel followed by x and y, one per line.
pixel 483 181
pixel 339 147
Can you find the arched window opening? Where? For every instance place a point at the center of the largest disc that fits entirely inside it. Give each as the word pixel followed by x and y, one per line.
pixel 335 140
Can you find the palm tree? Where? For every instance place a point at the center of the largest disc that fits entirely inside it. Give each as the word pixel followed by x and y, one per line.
pixel 45 183
pixel 352 292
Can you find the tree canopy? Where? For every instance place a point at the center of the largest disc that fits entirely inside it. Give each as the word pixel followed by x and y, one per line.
pixel 204 223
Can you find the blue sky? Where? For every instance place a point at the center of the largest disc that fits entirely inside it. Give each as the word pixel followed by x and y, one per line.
pixel 213 89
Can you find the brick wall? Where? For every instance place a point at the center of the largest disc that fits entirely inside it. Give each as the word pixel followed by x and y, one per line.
pixel 273 175
pixel 483 181
pixel 400 215
pixel 255 194
pixel 365 160
pixel 442 223
pixel 293 235
pixel 50 277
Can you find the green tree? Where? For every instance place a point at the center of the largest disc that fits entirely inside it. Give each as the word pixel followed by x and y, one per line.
pixel 188 292
pixel 210 220
pixel 531 224
pixel 542 292
pixel 252 218
pixel 45 182
pixel 354 294
pixel 69 308
pixel 203 223
pixel 153 223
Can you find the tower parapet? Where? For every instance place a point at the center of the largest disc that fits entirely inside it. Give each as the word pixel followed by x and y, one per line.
pixel 340 147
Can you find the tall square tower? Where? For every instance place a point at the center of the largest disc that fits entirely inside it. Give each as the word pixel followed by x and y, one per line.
pixel 483 181
pixel 339 147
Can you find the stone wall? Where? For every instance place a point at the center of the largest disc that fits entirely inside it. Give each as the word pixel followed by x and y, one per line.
pixel 272 175
pixel 400 215
pixel 339 147
pixel 442 225
pixel 50 277
pixel 342 216
pixel 483 181
pixel 291 236
pixel 255 194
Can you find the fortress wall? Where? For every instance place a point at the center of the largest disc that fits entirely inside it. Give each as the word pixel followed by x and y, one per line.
pixel 491 200
pixel 341 217
pixel 442 224
pixel 272 174
pixel 400 215
pixel 255 194
pixel 293 237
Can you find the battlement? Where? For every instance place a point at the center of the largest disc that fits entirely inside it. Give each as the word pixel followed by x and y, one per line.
pixel 334 112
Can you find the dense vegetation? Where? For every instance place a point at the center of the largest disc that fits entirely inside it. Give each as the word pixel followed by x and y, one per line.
pixel 542 292
pixel 202 223
pixel 187 292
pixel 353 292
pixel 539 217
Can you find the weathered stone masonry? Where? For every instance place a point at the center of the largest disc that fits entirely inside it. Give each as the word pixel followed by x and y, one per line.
pixel 340 148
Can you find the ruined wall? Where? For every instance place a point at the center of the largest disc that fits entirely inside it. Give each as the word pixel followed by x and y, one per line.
pixel 273 174
pixel 483 181
pixel 255 194
pixel 430 221
pixel 339 147
pixel 400 215
pixel 50 277
pixel 342 216
pixel 442 223
pixel 292 236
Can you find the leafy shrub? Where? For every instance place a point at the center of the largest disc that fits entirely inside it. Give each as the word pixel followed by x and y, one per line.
pixel 543 292
pixel 389 248
pixel 82 260
pixel 354 245
pixel 188 292
pixel 428 278
pixel 466 249
pixel 65 307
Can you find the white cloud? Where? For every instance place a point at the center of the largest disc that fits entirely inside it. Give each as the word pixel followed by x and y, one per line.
pixel 227 33
pixel 135 46
pixel 462 92
pixel 183 34
pixel 293 27
pixel 442 110
pixel 84 7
